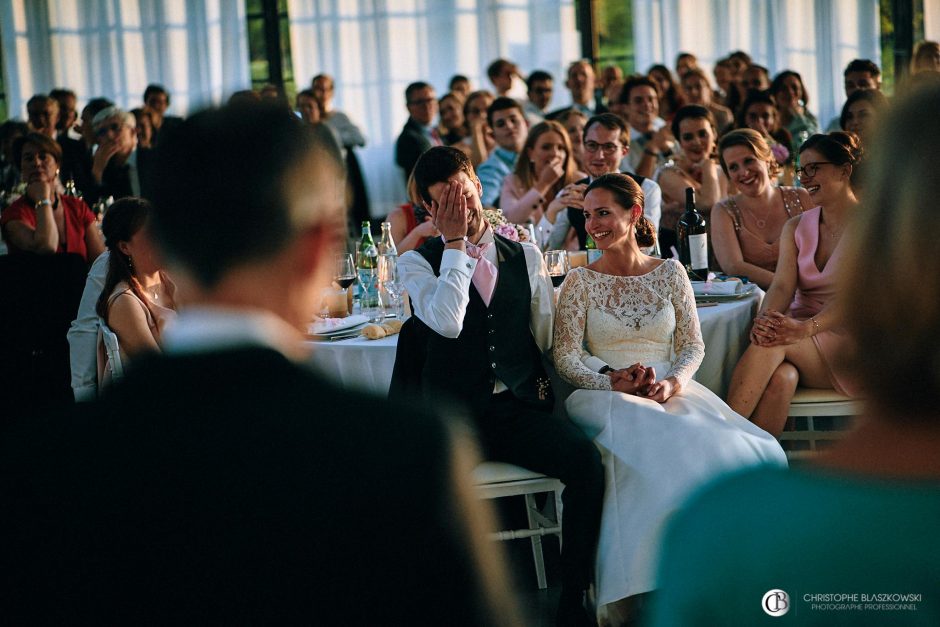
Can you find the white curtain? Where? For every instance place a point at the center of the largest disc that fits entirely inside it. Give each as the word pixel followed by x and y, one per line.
pixel 816 38
pixel 931 20
pixel 375 48
pixel 197 49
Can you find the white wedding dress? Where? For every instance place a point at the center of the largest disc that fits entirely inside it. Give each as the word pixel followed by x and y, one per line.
pixel 654 454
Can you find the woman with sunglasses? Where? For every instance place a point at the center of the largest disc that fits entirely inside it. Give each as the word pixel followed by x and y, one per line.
pixel 42 220
pixel 746 226
pixel 796 334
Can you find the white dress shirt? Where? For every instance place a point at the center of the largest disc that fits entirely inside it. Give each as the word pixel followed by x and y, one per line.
pixel 441 301
pixel 205 328
pixel 83 333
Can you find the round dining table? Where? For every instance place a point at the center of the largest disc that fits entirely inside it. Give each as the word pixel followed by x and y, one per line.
pixel 363 364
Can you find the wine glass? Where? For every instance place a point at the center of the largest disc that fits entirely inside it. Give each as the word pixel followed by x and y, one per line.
pixel 344 272
pixel 390 278
pixel 557 263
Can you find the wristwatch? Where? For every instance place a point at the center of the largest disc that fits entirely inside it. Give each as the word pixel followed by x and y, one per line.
pixel 41 203
pixel 604 370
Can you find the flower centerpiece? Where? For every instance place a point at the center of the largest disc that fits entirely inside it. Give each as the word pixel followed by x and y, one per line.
pixel 501 226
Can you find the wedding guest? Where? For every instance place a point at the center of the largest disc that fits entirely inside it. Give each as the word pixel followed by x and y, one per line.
pixel 627 337
pixel 348 133
pixel 501 73
pixel 650 137
pixel 746 227
pixel 418 135
pixel 211 480
pixel 861 113
pixel 143 128
pixel 609 84
pixel 759 112
pixel 507 121
pixel 606 147
pixel 78 160
pixel 411 223
pixel 580 84
pixel 310 113
pixel 859 74
pixel 68 112
pixel 695 166
pixel 10 131
pixel 480 141
pixel 698 91
pixel 882 481
pixel 670 93
pixel 452 128
pixel 755 78
pixel 798 333
pixel 119 168
pixel 791 99
pixel 43 115
pixel 926 57
pixel 42 220
pixel 479 341
pixel 137 300
pixel 460 84
pixel 83 333
pixel 539 88
pixel 574 121
pixel 724 80
pixel 685 63
pixel 544 167
pixel 157 102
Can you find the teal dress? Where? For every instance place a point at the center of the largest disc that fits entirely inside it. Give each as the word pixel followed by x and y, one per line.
pixel 808 533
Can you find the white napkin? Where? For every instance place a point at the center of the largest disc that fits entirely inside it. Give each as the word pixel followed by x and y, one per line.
pixel 332 325
pixel 717 287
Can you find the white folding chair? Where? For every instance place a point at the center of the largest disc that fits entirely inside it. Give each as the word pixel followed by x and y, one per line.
pixel 111 347
pixel 495 480
pixel 807 405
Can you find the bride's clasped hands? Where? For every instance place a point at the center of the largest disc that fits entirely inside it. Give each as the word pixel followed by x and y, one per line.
pixel 640 380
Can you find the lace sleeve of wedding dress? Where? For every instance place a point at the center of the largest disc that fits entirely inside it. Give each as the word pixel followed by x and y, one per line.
pixel 570 318
pixel 687 340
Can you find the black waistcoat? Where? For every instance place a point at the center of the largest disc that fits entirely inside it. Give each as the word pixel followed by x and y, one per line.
pixel 576 216
pixel 495 343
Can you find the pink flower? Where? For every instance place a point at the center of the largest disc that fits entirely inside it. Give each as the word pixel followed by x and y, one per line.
pixel 780 152
pixel 508 231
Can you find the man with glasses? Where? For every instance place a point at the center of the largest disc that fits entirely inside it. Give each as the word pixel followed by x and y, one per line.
pixel 118 167
pixel 419 134
pixel 540 88
pixel 606 144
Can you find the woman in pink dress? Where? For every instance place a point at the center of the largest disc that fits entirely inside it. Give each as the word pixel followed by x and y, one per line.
pixel 796 334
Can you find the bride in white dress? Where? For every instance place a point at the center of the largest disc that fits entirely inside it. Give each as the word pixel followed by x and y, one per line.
pixel 628 336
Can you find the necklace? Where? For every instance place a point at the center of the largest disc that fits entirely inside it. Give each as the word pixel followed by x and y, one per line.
pixel 760 222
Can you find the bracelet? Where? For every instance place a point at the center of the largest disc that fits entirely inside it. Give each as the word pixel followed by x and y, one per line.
pixel 604 370
pixel 42 203
pixel 455 239
pixel 647 151
pixel 815 325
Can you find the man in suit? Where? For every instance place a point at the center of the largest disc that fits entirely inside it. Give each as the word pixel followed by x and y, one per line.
pixel 118 167
pixel 483 307
pixel 225 481
pixel 419 133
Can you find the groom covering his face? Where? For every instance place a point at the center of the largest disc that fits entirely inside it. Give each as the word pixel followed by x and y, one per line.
pixel 483 309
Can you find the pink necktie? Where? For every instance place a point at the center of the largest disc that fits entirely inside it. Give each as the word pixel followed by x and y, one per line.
pixel 484 276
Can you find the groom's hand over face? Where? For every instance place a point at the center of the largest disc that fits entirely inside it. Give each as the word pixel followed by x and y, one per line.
pixel 450 214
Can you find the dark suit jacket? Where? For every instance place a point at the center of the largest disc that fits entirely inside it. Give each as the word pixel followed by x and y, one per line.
pixel 411 144
pixel 232 487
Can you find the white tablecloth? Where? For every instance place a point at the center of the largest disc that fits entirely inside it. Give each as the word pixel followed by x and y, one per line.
pixel 367 364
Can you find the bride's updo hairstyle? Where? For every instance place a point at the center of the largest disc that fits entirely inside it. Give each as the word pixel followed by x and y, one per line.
pixel 839 148
pixel 627 193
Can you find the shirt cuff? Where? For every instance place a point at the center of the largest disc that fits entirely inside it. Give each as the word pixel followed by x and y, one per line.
pixel 458 260
pixel 594 363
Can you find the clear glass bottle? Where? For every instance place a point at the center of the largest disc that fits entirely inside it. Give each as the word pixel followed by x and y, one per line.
pixel 367 265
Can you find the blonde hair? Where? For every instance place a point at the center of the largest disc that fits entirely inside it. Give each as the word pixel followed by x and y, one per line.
pixel 889 245
pixel 524 169
pixel 755 142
